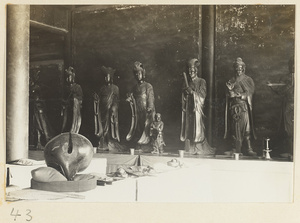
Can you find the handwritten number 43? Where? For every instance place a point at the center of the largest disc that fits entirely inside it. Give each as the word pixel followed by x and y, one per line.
pixel 16 214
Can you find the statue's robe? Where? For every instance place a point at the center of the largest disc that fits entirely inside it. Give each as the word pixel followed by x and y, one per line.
pixel 287 92
pixel 286 121
pixel 238 114
pixel 106 122
pixel 40 119
pixel 192 125
pixel 144 97
pixel 156 134
pixel 72 111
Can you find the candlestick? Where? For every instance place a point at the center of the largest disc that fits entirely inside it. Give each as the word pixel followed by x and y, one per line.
pixel 267 150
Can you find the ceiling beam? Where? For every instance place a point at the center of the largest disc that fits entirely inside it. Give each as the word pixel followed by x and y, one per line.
pixel 101 7
pixel 48 28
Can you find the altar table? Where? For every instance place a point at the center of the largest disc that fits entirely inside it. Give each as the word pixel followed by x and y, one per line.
pixel 197 179
pixel 215 180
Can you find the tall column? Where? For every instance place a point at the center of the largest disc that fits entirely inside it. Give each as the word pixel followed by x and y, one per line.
pixel 200 73
pixel 68 59
pixel 208 38
pixel 17 82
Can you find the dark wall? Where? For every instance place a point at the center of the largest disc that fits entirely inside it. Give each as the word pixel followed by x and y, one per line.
pixel 264 37
pixel 52 15
pixel 163 38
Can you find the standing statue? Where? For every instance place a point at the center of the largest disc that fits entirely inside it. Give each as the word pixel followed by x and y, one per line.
pixel 41 123
pixel 157 139
pixel 285 88
pixel 192 124
pixel 106 105
pixel 72 104
pixel 238 112
pixel 142 107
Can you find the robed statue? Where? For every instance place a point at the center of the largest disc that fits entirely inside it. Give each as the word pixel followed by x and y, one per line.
pixel 192 123
pixel 141 101
pixel 72 103
pixel 41 124
pixel 106 104
pixel 285 88
pixel 238 112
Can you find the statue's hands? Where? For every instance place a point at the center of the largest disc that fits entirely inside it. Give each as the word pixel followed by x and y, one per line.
pixel 237 94
pixel 189 90
pixel 230 85
pixel 234 94
pixel 149 110
pixel 128 96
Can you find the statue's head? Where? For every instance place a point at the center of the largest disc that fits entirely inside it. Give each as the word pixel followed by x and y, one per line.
pixel 239 66
pixel 70 72
pixel 158 117
pixel 193 65
pixel 109 74
pixel 69 153
pixel 139 71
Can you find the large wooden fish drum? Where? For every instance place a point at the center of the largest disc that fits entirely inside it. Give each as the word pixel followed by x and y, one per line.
pixel 66 155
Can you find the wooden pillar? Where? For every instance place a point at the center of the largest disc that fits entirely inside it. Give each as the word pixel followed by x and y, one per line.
pixel 17 82
pixel 68 60
pixel 208 39
pixel 200 73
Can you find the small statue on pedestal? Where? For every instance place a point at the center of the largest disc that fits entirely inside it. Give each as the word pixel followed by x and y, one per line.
pixel 41 123
pixel 72 104
pixel 142 107
pixel 106 104
pixel 156 134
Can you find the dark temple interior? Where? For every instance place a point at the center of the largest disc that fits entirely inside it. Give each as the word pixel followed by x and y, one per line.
pixel 164 38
